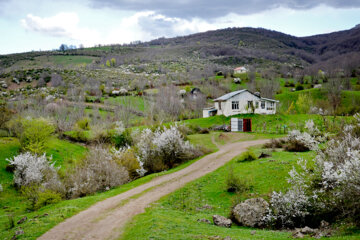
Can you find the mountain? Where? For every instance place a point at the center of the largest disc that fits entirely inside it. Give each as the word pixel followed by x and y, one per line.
pixel 230 47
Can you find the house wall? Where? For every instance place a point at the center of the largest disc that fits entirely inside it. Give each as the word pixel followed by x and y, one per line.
pixel 243 98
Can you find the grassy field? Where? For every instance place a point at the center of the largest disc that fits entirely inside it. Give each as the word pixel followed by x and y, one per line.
pixel 175 216
pixel 135 102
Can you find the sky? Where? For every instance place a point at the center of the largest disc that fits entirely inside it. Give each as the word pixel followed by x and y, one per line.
pixel 32 25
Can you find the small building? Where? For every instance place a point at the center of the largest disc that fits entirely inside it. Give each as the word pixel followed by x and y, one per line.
pixel 241 102
pixel 241 69
pixel 240 125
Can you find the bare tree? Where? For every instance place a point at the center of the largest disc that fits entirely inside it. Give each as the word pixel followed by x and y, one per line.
pixel 334 87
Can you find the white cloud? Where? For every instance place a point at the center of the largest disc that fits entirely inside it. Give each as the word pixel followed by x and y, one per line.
pixel 63 24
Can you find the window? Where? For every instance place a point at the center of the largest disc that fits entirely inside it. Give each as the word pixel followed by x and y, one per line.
pixel 250 104
pixel 262 104
pixel 256 104
pixel 235 105
pixel 270 106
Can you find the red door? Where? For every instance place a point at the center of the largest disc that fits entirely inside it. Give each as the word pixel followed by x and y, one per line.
pixel 247 125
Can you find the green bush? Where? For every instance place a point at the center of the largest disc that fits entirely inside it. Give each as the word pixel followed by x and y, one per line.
pixel 123 139
pixel 84 123
pixel 299 87
pixel 247 156
pixel 34 133
pixel 46 198
pixel 236 183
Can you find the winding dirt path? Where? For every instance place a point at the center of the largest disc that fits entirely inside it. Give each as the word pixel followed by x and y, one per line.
pixel 106 219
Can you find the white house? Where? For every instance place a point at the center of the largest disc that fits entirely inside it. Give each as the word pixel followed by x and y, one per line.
pixel 241 69
pixel 240 102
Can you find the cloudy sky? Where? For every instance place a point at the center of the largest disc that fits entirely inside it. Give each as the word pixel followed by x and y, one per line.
pixel 27 25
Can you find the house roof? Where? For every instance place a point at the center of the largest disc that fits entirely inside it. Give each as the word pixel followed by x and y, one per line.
pixel 240 68
pixel 232 94
pixel 229 95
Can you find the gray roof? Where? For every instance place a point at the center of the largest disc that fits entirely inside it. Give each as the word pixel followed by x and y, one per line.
pixel 229 95
pixel 232 94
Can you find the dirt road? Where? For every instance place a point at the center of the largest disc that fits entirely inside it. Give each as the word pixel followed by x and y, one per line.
pixel 106 219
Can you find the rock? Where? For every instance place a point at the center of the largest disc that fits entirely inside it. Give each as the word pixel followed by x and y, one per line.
pixel 227 238
pixel 237 80
pixel 206 206
pixel 264 155
pixel 253 232
pixel 222 221
pixel 251 212
pixel 324 224
pixel 297 234
pixel 317 86
pixel 19 232
pixel 307 230
pixel 204 220
pixel 22 220
pixel 4 85
pixel 301 232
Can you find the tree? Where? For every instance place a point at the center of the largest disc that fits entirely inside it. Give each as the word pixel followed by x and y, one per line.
pixel 63 47
pixel 113 62
pixel 334 87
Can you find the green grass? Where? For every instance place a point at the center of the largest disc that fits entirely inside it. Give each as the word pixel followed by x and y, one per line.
pixel 175 216
pixel 135 102
pixel 64 153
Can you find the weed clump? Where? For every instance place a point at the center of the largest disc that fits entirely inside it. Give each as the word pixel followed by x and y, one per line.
pixel 247 156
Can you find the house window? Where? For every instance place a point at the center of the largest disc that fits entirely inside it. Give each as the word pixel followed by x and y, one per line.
pixel 256 104
pixel 235 105
pixel 262 104
pixel 270 106
pixel 250 105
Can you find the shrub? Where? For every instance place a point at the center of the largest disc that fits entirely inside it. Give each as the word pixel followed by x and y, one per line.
pixel 126 157
pixel 204 131
pixel 32 169
pixel 236 184
pixel 299 87
pixel 163 149
pixel 97 172
pixel 247 156
pixel 46 198
pixel 122 139
pixel 33 134
pixel 83 123
pixel 300 142
pixel 275 143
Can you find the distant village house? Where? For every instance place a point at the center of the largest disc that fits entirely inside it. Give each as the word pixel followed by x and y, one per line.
pixel 241 102
pixel 241 69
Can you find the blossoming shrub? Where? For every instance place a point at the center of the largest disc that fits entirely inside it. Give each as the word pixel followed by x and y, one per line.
pixel 163 149
pixel 33 169
pixel 327 189
pixel 37 179
pixel 98 172
pixel 299 142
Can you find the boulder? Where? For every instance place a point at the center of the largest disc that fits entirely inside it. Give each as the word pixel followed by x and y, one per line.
pixel 22 220
pixel 204 220
pixel 237 80
pixel 251 212
pixel 222 221
pixel 317 86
